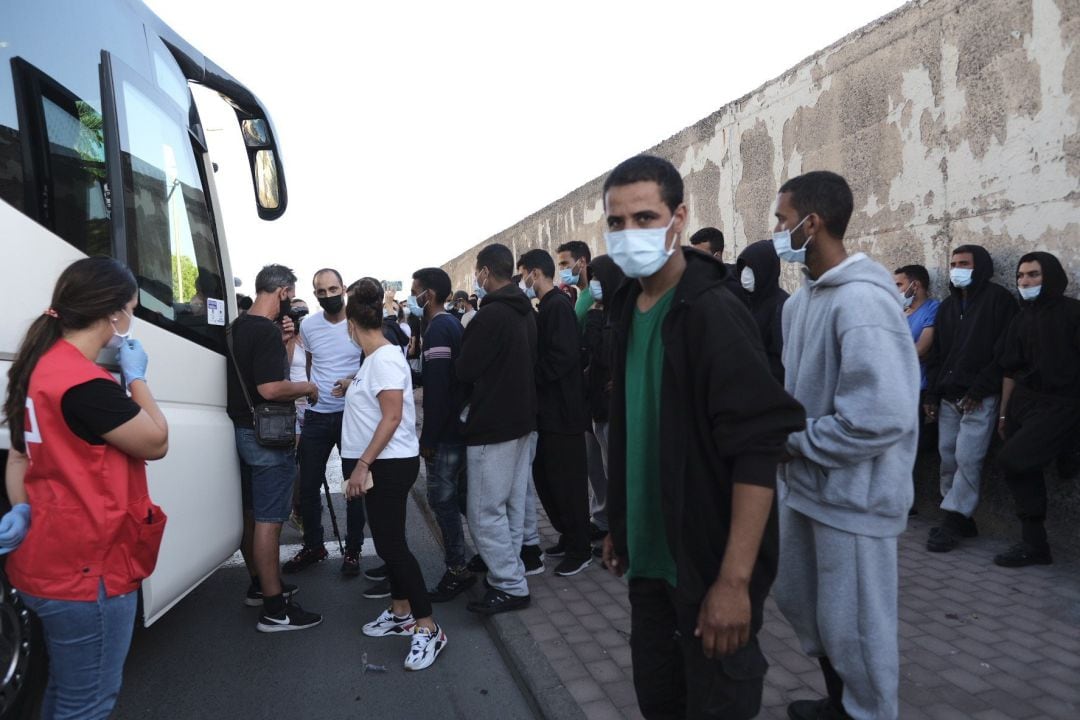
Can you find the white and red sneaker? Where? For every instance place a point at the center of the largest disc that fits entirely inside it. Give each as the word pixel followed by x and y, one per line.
pixel 426 646
pixel 390 624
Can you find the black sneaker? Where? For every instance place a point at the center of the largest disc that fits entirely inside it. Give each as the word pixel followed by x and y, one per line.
pixel 350 563
pixel 1022 554
pixel 380 589
pixel 942 539
pixel 572 564
pixel 815 710
pixel 595 533
pixel 380 573
pixel 254 597
pixel 451 585
pixel 533 559
pixel 293 617
pixel 306 557
pixel 496 601
pixel 556 550
pixel 477 564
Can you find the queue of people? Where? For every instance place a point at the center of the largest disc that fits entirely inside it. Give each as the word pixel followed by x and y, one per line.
pixel 708 437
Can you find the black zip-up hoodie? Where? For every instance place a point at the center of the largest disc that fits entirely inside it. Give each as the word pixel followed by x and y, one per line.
pixel 560 381
pixel 1041 350
pixel 597 338
pixel 496 364
pixel 723 419
pixel 766 303
pixel 967 336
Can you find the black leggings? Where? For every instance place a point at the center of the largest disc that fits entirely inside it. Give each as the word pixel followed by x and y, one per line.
pixel 386 503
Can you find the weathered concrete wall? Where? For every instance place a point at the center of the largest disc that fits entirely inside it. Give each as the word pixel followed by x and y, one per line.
pixel 954 121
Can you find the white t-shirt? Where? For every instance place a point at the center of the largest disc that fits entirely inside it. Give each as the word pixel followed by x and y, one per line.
pixel 298 373
pixel 467 317
pixel 333 356
pixel 386 369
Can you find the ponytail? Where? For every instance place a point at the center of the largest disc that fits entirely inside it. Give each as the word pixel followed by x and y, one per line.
pixel 42 335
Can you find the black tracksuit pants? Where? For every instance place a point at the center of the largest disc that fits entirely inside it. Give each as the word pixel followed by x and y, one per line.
pixel 1038 428
pixel 560 474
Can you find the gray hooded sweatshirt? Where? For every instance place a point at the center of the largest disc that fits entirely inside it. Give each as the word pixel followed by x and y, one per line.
pixel 850 361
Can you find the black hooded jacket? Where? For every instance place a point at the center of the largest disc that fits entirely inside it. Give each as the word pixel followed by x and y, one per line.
pixel 723 419
pixel 767 301
pixel 1041 349
pixel 560 392
pixel 597 338
pixel 967 336
pixel 496 364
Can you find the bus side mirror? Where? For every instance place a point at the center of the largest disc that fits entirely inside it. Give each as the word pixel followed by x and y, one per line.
pixel 265 166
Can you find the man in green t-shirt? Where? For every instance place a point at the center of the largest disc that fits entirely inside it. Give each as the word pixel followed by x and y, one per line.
pixel 697 427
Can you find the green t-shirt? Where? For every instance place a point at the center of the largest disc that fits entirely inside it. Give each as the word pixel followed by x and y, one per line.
pixel 650 556
pixel 584 302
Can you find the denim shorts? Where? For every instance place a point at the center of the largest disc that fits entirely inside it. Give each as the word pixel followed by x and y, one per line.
pixel 266 478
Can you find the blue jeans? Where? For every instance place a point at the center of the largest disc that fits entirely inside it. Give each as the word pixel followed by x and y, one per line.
pixel 87 643
pixel 266 478
pixel 444 497
pixel 322 431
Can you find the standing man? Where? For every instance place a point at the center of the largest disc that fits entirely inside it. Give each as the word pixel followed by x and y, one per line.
pixel 559 470
pixel 758 270
pixel 498 354
pixel 1040 396
pixel 331 358
pixel 573 259
pixel 441 444
pixel 963 381
pixel 710 240
pixel 257 347
pixel 697 427
pixel 846 491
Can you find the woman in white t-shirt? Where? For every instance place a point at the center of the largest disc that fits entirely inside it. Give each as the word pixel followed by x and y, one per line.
pixel 380 454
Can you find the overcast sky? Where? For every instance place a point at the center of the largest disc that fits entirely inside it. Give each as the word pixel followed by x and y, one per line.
pixel 414 130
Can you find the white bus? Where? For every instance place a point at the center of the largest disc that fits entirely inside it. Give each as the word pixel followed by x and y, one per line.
pixel 102 152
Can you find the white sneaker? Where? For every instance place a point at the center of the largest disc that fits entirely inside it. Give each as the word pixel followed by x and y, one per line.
pixel 390 624
pixel 426 646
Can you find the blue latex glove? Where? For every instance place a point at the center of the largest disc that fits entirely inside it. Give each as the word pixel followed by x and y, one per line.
pixel 133 360
pixel 13 527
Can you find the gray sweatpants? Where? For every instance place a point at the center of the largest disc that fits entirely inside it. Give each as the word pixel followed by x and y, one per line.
pixel 532 530
pixel 596 447
pixel 498 487
pixel 838 591
pixel 963 439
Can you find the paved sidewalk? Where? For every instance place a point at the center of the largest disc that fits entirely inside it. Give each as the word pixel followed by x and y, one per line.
pixel 977 641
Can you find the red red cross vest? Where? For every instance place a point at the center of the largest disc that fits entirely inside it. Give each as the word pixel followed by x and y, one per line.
pixel 91 515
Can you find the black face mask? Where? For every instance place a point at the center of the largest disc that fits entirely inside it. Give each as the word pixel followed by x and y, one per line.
pixel 284 307
pixel 332 304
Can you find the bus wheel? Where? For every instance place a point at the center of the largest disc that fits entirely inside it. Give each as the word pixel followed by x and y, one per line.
pixel 23 664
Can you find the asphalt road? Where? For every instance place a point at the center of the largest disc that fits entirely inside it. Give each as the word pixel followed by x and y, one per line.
pixel 204 659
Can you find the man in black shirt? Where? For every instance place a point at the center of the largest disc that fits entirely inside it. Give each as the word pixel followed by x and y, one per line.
pixel 266 473
pixel 560 468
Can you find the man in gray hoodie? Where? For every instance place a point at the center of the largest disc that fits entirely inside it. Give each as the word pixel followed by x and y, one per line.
pixel 846 486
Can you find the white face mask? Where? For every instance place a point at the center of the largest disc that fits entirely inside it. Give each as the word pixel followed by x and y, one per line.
pixel 640 252
pixel 118 338
pixel 746 279
pixel 596 290
pixel 782 244
pixel 1030 293
pixel 909 300
pixel 960 277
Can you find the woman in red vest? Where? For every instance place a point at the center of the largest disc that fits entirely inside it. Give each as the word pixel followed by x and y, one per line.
pixel 85 529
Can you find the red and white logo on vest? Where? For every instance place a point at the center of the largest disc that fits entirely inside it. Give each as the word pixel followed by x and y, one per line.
pixel 31 431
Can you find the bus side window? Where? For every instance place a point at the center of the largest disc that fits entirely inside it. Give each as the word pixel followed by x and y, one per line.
pixel 171 244
pixel 64 138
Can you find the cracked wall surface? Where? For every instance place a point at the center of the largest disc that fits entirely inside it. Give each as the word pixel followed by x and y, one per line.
pixel 954 121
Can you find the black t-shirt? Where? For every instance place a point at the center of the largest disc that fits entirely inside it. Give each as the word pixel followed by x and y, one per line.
pixel 260 354
pixel 96 407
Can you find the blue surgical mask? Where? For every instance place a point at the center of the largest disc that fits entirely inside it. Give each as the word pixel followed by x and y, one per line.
pixel 478 289
pixel 119 338
pixel 960 277
pixel 782 244
pixel 567 276
pixel 596 290
pixel 1030 293
pixel 415 308
pixel 640 252
pixel 529 291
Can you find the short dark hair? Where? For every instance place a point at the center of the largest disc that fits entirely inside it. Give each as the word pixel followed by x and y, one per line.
pixel 915 272
pixel 434 279
pixel 539 260
pixel 243 302
pixel 825 194
pixel 648 168
pixel 340 280
pixel 498 259
pixel 577 250
pixel 710 235
pixel 274 277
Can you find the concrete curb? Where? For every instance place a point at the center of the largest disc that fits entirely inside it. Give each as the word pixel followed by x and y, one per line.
pixel 536 676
